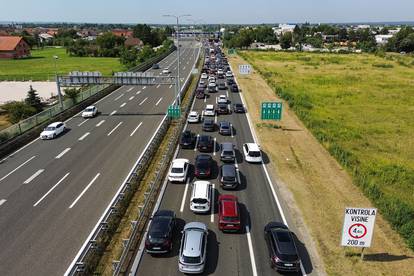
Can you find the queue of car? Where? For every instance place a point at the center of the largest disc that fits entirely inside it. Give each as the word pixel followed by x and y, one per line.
pixel 193 247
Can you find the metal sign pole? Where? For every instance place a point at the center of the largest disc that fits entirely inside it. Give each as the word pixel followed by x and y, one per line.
pixel 59 92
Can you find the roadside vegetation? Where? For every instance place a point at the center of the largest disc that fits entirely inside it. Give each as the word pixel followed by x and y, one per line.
pixel 360 108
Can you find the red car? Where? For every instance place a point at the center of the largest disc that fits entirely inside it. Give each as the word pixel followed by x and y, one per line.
pixel 229 213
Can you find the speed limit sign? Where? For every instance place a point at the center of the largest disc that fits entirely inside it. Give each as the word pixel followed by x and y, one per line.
pixel 358 227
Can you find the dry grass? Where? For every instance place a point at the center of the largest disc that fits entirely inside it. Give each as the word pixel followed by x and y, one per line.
pixel 316 190
pixel 4 122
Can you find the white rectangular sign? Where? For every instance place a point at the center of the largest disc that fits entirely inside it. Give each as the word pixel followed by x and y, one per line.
pixel 244 69
pixel 358 226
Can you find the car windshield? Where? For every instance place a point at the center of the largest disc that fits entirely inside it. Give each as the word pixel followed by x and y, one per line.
pixel 199 200
pixel 224 126
pixel 191 260
pixel 227 152
pixel 177 170
pixel 254 153
pixel 228 178
pixel 89 109
pixel 50 128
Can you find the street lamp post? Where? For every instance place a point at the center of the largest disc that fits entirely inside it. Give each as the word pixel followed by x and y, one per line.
pixel 178 53
pixel 55 58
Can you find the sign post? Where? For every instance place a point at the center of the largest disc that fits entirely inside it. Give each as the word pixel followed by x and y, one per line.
pixel 358 227
pixel 271 111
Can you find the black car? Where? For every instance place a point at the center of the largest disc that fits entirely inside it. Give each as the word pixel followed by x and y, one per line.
pixel 205 143
pixel 222 108
pixel 160 234
pixel 222 86
pixel 209 125
pixel 200 93
pixel 225 128
pixel 229 177
pixel 187 140
pixel 234 88
pixel 230 81
pixel 238 108
pixel 203 166
pixel 282 248
pixel 155 66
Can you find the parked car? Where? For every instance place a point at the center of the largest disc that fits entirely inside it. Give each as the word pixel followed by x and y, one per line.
pixel 193 248
pixel 203 166
pixel 225 128
pixel 187 140
pixel 155 66
pixel 179 170
pixel 205 143
pixel 209 125
pixel 282 247
pixel 160 234
pixel 229 213
pixel 222 108
pixel 229 176
pixel 234 88
pixel 238 108
pixel 193 117
pixel 200 201
pixel 209 111
pixel 90 112
pixel 227 152
pixel 52 131
pixel 222 99
pixel 252 153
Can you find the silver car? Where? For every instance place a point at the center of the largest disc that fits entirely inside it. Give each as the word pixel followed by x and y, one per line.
pixel 193 249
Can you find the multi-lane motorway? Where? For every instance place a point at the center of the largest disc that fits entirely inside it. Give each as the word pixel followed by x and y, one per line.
pixel 227 254
pixel 52 193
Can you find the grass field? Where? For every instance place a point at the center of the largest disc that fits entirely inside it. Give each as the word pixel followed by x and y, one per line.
pixel 41 65
pixel 360 107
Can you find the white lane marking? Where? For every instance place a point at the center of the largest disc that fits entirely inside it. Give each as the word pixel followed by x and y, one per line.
pixel 214 150
pixel 160 73
pixel 215 118
pixel 122 105
pixel 196 143
pixel 84 136
pixel 51 189
pixel 175 67
pixel 231 129
pixel 84 191
pixel 144 87
pixel 83 122
pixel 249 242
pixel 227 94
pixel 62 153
pixel 184 67
pixel 113 112
pixel 130 89
pixel 139 92
pixel 117 98
pixel 36 174
pixel 170 86
pixel 120 123
pixel 2 201
pixel 21 165
pixel 100 123
pixel 158 101
pixel 184 195
pixel 202 115
pixel 143 101
pixel 158 86
pixel 205 98
pixel 212 204
pixel 130 99
pixel 136 129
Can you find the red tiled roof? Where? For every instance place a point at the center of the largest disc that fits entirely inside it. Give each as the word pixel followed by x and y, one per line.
pixel 133 41
pixel 9 43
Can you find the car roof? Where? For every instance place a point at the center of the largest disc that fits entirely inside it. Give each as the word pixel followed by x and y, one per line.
pixel 193 239
pixel 229 203
pixel 209 106
pixel 91 106
pixel 227 146
pixel 201 189
pixel 208 121
pixel 164 213
pixel 225 123
pixel 178 163
pixel 253 147
pixel 228 170
pixel 54 124
pixel 193 113
pixel 204 157
pixel 284 240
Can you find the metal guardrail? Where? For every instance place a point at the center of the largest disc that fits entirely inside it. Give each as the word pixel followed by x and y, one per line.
pixel 103 231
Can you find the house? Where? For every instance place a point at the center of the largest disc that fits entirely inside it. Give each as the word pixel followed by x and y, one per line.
pixel 13 47
pixel 382 39
pixel 122 33
pixel 45 37
pixel 133 42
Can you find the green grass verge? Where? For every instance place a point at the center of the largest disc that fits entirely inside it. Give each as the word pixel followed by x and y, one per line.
pixel 41 65
pixel 360 107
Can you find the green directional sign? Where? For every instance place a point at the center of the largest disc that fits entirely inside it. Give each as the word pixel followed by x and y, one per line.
pixel 271 111
pixel 174 111
pixel 231 51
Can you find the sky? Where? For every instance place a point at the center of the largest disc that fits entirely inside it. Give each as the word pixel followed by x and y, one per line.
pixel 207 11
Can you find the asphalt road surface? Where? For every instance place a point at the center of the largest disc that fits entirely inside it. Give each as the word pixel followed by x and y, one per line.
pixel 227 254
pixel 52 193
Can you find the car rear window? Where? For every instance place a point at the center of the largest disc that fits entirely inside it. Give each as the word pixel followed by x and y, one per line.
pixel 177 170
pixel 254 153
pixel 192 260
pixel 200 200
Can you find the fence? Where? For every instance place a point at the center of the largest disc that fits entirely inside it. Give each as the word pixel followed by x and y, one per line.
pixel 97 241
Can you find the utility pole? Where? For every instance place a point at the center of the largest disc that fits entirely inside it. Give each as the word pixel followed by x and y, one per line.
pixel 55 58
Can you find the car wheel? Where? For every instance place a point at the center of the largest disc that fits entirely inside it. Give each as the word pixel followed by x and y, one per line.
pixel 53 136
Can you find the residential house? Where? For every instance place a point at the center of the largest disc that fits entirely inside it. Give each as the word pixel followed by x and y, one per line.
pixel 122 33
pixel 382 39
pixel 133 42
pixel 13 47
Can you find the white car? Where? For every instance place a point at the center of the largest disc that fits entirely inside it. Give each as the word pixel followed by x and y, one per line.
pixel 200 201
pixel 179 170
pixel 229 74
pixel 252 153
pixel 90 112
pixel 193 117
pixel 222 99
pixel 166 71
pixel 204 76
pixel 220 71
pixel 212 84
pixel 52 130
pixel 211 79
pixel 209 111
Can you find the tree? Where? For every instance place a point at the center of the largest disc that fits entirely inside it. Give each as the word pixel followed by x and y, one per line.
pixel 129 57
pixel 18 111
pixel 286 40
pixel 145 53
pixel 33 100
pixel 143 32
pixel 407 44
pixel 72 93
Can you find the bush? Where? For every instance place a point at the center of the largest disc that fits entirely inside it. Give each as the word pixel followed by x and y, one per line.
pixel 18 111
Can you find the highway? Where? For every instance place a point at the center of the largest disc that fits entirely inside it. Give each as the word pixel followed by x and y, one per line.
pixel 52 193
pixel 227 254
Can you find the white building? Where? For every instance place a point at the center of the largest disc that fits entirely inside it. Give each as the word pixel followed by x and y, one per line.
pixel 44 37
pixel 284 28
pixel 382 39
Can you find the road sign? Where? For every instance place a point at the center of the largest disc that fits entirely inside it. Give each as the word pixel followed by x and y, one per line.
pixel 271 111
pixel 244 69
pixel 174 111
pixel 358 227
